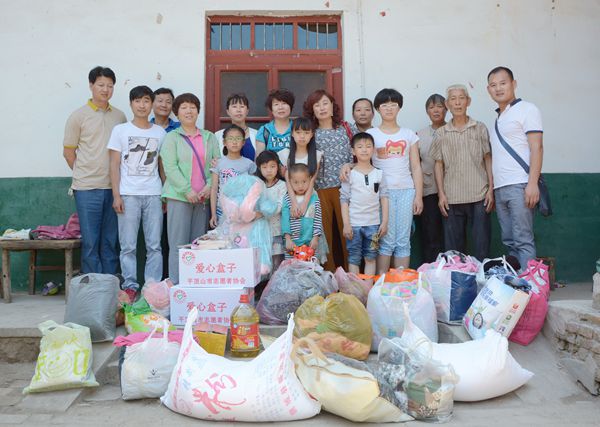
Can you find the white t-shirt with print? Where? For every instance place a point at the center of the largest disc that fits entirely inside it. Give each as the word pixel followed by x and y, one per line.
pixel 515 122
pixel 139 150
pixel 392 156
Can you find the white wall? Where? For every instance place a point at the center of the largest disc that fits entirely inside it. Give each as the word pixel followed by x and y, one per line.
pixel 418 47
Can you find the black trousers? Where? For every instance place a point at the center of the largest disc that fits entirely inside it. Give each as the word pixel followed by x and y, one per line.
pixel 473 215
pixel 432 230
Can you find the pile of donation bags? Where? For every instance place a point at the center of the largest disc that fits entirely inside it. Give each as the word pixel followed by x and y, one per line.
pixel 324 353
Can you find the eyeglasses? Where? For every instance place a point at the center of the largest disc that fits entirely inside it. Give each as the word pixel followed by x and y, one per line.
pixel 235 138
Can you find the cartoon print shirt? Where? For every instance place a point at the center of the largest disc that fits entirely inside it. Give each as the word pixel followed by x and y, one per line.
pixel 391 156
pixel 139 150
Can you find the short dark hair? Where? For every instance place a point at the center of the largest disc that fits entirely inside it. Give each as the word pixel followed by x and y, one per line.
pixel 139 92
pixel 99 71
pixel 436 98
pixel 362 99
pixel 227 131
pixel 164 90
pixel 298 167
pixel 360 136
pixel 185 97
pixel 237 98
pixel 388 95
pixel 501 68
pixel 282 95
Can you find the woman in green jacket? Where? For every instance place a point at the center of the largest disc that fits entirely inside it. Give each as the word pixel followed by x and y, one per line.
pixel 186 154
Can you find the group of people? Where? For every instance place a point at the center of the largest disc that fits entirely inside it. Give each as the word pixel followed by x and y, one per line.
pixel 347 190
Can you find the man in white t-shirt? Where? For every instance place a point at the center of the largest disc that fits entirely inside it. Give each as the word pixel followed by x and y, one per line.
pixel 136 186
pixel 516 191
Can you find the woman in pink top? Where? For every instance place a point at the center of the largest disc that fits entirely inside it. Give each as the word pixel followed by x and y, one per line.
pixel 186 154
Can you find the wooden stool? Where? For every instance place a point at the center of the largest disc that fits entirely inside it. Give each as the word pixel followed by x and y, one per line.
pixel 33 246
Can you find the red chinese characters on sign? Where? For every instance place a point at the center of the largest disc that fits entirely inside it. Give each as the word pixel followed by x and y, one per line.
pixel 211 307
pixel 219 268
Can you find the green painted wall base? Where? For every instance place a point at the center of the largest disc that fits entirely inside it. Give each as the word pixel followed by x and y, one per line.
pixel 571 235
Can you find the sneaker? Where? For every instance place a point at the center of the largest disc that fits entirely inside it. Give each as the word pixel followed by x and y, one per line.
pixel 131 293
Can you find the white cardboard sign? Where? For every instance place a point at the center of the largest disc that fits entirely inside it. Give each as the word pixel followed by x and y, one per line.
pixel 214 305
pixel 219 268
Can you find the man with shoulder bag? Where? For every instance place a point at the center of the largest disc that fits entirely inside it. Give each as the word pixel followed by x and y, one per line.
pixel 517 148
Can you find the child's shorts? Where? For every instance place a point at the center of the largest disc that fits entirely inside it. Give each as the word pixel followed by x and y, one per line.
pixel 396 242
pixel 362 245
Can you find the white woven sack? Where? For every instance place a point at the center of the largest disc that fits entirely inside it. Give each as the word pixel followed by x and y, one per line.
pixel 264 389
pixel 147 366
pixel 485 367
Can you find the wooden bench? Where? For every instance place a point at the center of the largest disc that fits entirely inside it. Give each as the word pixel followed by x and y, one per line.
pixel 33 246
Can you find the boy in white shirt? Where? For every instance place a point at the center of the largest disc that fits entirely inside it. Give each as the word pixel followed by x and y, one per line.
pixel 364 202
pixel 136 186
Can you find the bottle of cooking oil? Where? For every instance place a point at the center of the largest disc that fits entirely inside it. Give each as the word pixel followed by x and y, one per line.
pixel 245 341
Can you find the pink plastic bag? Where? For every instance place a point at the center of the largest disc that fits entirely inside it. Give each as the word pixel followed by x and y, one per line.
pixel 137 337
pixel 352 284
pixel 532 319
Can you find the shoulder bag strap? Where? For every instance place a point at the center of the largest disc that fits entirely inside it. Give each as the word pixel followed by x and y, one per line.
pixel 348 130
pixel 196 155
pixel 510 150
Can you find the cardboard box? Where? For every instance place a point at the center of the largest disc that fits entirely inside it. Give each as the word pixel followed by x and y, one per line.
pixel 215 305
pixel 226 268
pixel 211 337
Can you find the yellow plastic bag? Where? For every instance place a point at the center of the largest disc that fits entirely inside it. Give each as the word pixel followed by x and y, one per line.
pixel 338 324
pixel 65 359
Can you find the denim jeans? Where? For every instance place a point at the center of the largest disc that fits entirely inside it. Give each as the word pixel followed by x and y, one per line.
pixel 474 215
pixel 148 209
pixel 516 222
pixel 99 234
pixel 360 246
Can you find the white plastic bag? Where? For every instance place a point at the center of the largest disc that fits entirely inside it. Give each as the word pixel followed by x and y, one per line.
pixel 386 311
pixel 264 389
pixel 498 307
pixel 485 367
pixel 146 367
pixel 452 282
pixel 65 359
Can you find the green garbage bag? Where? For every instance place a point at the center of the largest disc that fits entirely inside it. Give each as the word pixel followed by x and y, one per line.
pixel 65 359
pixel 139 317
